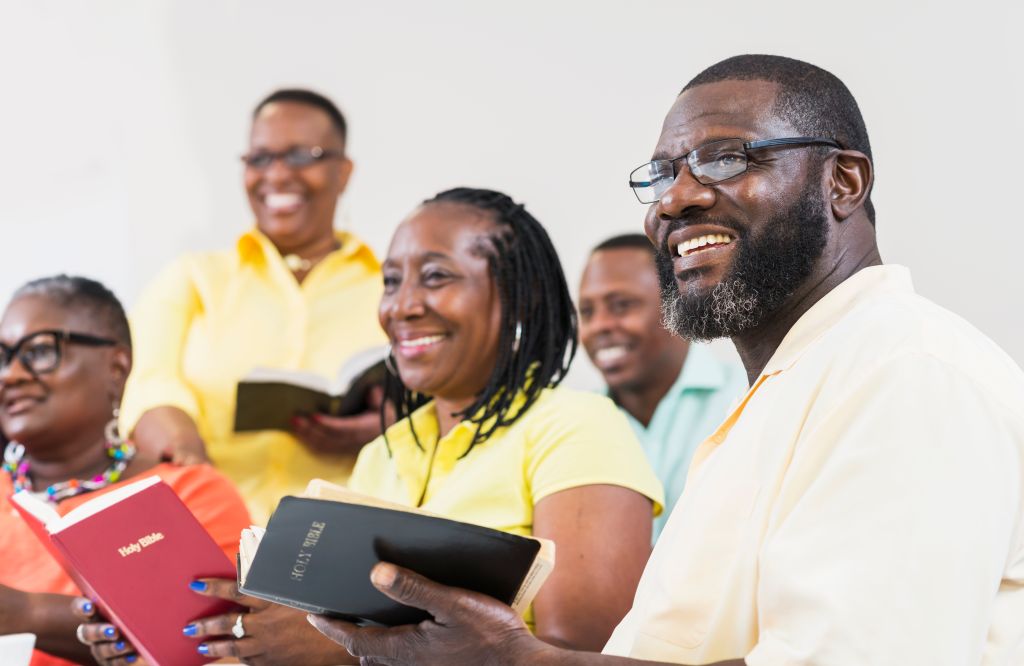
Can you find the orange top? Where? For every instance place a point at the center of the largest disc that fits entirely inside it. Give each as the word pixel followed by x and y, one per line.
pixel 29 566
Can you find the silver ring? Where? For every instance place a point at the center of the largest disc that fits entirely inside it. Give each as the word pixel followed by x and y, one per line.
pixel 80 634
pixel 237 630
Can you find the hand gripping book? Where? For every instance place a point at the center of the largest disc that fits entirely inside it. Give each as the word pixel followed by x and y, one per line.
pixel 134 551
pixel 268 398
pixel 317 552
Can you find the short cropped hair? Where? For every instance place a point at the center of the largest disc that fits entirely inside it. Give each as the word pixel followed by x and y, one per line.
pixel 812 100
pixel 84 295
pixel 624 241
pixel 309 98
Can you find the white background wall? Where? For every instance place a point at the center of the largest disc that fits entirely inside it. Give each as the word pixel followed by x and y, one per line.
pixel 122 120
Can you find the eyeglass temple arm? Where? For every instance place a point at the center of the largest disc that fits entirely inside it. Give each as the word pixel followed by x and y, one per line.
pixel 793 141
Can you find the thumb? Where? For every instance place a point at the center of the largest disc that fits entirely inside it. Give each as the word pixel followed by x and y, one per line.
pixel 412 589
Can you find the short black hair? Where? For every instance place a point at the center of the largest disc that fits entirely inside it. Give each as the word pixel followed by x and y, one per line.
pixel 626 241
pixel 812 100
pixel 309 98
pixel 535 299
pixel 84 295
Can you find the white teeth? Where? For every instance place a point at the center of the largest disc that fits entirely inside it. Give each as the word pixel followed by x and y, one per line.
pixel 707 239
pixel 282 200
pixel 609 355
pixel 420 342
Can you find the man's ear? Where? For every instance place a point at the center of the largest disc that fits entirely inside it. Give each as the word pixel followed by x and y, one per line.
pixel 344 173
pixel 852 175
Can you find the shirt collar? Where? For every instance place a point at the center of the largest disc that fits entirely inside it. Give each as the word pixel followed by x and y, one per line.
pixel 254 247
pixel 701 370
pixel 863 285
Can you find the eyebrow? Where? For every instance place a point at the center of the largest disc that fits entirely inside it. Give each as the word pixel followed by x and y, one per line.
pixel 662 155
pixel 426 256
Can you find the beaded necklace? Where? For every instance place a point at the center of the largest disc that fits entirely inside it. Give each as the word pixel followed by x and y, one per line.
pixel 17 467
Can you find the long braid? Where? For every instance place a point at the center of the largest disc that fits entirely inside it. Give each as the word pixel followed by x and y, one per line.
pixel 534 295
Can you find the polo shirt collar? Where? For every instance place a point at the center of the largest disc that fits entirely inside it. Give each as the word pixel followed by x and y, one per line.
pixel 863 285
pixel 254 247
pixel 701 371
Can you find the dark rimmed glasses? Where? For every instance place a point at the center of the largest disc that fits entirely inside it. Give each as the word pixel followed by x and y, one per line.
pixel 711 163
pixel 40 352
pixel 295 157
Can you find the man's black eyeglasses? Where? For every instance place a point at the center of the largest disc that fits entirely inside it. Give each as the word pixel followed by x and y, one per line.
pixel 40 352
pixel 295 157
pixel 711 163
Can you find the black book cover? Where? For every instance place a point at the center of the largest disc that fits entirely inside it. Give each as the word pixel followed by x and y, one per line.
pixel 317 555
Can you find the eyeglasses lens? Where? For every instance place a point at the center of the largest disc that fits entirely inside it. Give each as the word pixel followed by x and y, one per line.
pixel 717 161
pixel 39 353
pixel 650 180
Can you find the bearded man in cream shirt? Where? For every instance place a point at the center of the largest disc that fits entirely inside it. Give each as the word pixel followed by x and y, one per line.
pixel 863 504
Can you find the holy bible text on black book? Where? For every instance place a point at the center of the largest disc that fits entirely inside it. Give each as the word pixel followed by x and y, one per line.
pixel 317 554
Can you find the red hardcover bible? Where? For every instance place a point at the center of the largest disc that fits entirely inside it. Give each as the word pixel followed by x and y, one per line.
pixel 134 551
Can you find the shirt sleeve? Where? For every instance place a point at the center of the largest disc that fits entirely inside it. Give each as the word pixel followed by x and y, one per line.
pixel 895 521
pixel 160 325
pixel 580 439
pixel 215 503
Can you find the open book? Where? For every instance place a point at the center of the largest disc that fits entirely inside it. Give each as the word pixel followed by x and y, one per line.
pixel 317 552
pixel 134 550
pixel 268 398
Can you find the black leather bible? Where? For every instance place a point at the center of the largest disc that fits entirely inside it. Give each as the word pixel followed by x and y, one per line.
pixel 316 555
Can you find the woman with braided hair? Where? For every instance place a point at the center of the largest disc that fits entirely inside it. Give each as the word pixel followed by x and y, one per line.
pixel 480 320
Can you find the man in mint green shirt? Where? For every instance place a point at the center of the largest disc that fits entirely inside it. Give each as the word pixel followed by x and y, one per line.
pixel 674 394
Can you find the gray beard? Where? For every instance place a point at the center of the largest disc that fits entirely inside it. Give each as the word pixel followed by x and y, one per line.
pixel 730 308
pixel 768 267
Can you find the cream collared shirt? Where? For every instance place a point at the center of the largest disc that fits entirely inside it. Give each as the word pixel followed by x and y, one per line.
pixel 862 506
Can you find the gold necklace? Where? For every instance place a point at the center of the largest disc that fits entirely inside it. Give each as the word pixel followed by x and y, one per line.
pixel 297 264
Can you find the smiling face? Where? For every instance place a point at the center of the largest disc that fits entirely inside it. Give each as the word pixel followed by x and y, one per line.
pixel 441 308
pixel 50 409
pixel 620 319
pixel 294 207
pixel 730 254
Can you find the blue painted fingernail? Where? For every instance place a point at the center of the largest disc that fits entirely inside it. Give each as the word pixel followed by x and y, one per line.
pixel 119 646
pixel 198 586
pixel 132 658
pixel 109 632
pixel 87 607
pixel 190 629
pixel 203 648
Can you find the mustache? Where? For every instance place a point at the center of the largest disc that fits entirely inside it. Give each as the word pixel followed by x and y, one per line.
pixel 701 218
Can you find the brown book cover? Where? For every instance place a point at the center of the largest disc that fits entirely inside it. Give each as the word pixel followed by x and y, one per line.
pixel 134 551
pixel 268 398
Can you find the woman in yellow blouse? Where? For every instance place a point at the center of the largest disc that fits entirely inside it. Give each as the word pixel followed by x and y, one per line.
pixel 292 294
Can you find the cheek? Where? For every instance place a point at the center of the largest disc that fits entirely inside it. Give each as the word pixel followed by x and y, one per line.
pixel 251 179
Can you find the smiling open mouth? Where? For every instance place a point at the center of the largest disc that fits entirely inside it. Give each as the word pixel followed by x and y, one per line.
pixel 701 243
pixel 609 354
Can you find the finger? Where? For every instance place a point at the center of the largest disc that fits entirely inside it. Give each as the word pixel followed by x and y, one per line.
pixel 239 649
pixel 98 632
pixel 83 608
pixel 111 649
pixel 364 641
pixel 225 588
pixel 217 625
pixel 125 660
pixel 345 424
pixel 375 397
pixel 407 587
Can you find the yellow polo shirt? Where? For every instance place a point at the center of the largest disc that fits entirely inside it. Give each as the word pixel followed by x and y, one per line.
pixel 862 505
pixel 565 440
pixel 209 318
